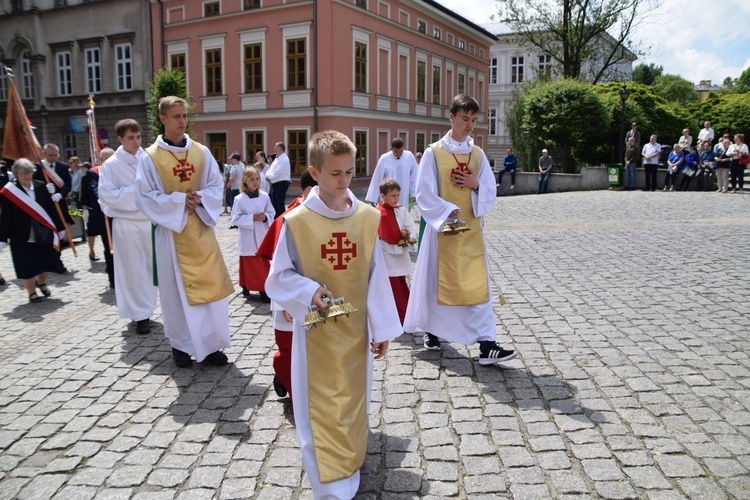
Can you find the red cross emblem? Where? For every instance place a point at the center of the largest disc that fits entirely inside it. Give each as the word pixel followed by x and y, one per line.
pixel 184 171
pixel 339 251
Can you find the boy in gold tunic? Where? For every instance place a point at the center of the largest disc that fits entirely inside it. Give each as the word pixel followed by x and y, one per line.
pixel 329 248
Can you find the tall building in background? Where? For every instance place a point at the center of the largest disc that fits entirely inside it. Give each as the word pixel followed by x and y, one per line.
pixel 61 51
pixel 267 71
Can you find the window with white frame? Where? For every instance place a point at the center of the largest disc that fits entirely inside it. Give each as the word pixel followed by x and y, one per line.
pixel 461 44
pixel 27 75
pixel 436 33
pixel 545 65
pixel 461 83
pixel 516 69
pixel 360 67
pixel 492 119
pixel 124 66
pixel 64 73
pixel 421 26
pixel 93 65
pixel 493 70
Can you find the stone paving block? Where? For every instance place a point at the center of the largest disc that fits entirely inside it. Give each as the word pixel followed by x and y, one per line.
pixel 615 490
pixel 42 487
pixel 75 493
pixel 701 487
pixel 679 466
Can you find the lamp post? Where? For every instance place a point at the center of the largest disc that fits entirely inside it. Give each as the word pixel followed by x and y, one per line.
pixel 624 94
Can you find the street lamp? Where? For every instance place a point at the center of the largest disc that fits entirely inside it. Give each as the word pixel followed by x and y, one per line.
pixel 624 94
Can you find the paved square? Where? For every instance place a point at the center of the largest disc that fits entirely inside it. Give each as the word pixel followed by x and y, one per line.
pixel 630 312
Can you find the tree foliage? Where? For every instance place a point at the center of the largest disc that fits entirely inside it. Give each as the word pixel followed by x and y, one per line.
pixel 166 82
pixel 728 113
pixel 675 89
pixel 739 85
pixel 587 38
pixel 525 147
pixel 566 116
pixel 647 73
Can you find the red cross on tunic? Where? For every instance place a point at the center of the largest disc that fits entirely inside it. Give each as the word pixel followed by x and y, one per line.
pixel 184 171
pixel 339 250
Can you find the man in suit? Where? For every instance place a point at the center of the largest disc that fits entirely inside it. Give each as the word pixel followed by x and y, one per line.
pixel 52 155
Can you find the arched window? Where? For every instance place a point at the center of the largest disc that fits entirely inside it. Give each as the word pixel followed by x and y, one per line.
pixel 27 76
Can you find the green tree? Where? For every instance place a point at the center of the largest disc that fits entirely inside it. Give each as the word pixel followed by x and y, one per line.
pixel 647 73
pixel 729 113
pixel 675 89
pixel 580 35
pixel 166 82
pixel 742 84
pixel 567 117
pixel 525 147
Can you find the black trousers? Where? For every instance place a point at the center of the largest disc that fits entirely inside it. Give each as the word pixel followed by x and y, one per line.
pixel 650 169
pixel 736 174
pixel 278 196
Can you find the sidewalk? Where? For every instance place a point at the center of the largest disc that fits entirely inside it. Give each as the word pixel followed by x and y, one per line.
pixel 630 312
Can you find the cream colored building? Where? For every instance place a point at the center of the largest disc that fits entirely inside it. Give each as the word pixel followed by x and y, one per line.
pixel 63 50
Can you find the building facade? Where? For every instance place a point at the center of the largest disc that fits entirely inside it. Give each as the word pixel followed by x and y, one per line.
pixel 62 51
pixel 510 64
pixel 267 71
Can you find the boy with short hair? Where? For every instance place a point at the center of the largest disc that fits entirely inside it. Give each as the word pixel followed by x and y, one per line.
pixel 450 295
pixel 329 248
pixel 395 231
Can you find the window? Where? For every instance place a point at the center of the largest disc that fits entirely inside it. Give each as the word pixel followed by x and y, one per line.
pixel 421 26
pixel 93 70
pixel 124 66
pixel 296 60
pixel 251 4
pixel 493 70
pixel 253 68
pixel 421 84
pixel 64 73
pixel 360 158
pixel 61 3
pixel 360 67
pixel 492 119
pixel 296 150
pixel 434 137
pixel 27 75
pixel 211 9
pixel 69 145
pixel 436 33
pixel 16 5
pixel 420 146
pixel 177 61
pixel 361 3
pixel 213 72
pixel 516 69
pixel 461 83
pixel 545 65
pixel 461 45
pixel 217 144
pixel 253 144
pixel 436 85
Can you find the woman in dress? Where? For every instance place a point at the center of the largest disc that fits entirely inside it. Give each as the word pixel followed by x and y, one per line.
pixel 260 157
pixel 29 220
pixel 721 164
pixel 92 212
pixel 674 164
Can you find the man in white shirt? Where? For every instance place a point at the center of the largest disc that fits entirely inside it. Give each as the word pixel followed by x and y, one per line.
pixel 706 135
pixel 279 175
pixel 650 154
pixel 397 164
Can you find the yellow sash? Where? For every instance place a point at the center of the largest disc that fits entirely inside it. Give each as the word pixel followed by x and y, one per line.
pixel 204 272
pixel 337 253
pixel 462 269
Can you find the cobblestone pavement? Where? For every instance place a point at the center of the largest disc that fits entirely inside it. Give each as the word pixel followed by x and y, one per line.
pixel 630 313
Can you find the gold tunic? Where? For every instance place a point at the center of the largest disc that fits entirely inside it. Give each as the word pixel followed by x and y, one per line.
pixel 462 268
pixel 204 273
pixel 337 253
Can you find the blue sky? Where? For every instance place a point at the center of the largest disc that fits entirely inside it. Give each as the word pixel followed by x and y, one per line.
pixel 696 39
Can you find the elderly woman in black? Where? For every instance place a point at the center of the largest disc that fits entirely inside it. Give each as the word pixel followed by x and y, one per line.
pixel 29 220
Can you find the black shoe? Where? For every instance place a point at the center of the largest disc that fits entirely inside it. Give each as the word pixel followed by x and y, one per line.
pixel 43 287
pixel 431 342
pixel 181 359
pixel 279 387
pixel 34 298
pixel 143 326
pixel 491 353
pixel 216 358
pixel 265 298
pixel 93 258
pixel 245 292
pixel 2 281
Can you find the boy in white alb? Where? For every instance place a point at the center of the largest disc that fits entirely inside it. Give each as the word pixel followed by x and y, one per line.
pixel 395 233
pixel 332 239
pixel 253 214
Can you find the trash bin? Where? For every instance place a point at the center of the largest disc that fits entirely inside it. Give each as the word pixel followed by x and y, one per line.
pixel 614 174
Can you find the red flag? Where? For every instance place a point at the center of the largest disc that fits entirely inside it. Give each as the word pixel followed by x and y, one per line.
pixel 19 140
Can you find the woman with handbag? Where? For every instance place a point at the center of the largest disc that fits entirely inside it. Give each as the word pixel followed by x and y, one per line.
pixel 689 168
pixel 706 167
pixel 740 157
pixel 674 164
pixel 30 222
pixel 721 164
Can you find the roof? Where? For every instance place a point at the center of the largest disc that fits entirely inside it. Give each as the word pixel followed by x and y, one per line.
pixel 460 18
